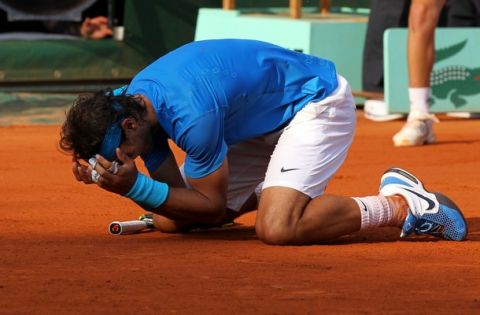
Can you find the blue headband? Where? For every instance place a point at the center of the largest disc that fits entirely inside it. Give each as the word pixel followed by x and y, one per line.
pixel 112 138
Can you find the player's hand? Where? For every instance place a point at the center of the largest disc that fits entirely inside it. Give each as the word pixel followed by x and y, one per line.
pixel 95 28
pixel 123 179
pixel 82 173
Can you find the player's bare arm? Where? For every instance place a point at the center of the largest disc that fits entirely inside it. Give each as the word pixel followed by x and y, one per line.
pixel 168 172
pixel 204 203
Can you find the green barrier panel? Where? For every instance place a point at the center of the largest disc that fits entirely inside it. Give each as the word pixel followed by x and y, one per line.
pixel 455 77
pixel 152 28
pixel 339 38
pixel 39 63
pixel 160 26
pixel 34 108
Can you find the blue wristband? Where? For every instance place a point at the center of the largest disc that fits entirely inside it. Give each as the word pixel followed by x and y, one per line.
pixel 147 192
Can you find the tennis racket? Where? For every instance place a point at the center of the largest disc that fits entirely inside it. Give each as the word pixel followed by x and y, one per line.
pixel 144 223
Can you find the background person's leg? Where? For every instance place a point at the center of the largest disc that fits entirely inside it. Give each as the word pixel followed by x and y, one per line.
pixel 423 18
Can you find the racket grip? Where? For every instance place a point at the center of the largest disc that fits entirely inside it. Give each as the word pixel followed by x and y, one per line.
pixel 127 227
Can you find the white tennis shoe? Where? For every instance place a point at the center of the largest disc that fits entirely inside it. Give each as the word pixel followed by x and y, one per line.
pixel 418 130
pixel 429 213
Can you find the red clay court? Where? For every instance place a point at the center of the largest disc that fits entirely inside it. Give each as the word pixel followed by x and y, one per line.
pixel 58 257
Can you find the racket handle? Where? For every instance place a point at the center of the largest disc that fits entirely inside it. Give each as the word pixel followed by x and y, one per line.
pixel 126 227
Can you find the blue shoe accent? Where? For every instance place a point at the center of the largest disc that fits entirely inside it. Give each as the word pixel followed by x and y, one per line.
pixel 409 225
pixel 393 180
pixel 429 213
pixel 448 223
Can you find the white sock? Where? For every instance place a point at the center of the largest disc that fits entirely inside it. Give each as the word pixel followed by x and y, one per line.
pixel 419 100
pixel 375 211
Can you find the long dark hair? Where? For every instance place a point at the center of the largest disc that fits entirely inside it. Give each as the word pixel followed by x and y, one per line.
pixel 89 117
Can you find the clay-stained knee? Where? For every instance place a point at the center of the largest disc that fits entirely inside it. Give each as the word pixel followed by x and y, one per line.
pixel 279 211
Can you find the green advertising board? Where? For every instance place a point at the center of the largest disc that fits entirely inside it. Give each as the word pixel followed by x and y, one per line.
pixel 455 78
pixel 337 37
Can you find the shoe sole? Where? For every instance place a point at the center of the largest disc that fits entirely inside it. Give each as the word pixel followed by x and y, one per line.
pixel 382 118
pixel 407 143
pixel 430 139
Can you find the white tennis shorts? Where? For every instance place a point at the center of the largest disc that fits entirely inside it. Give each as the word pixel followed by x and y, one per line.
pixel 304 155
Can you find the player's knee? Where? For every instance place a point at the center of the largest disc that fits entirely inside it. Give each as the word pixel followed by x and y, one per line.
pixel 273 236
pixel 168 226
pixel 279 214
pixel 274 232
